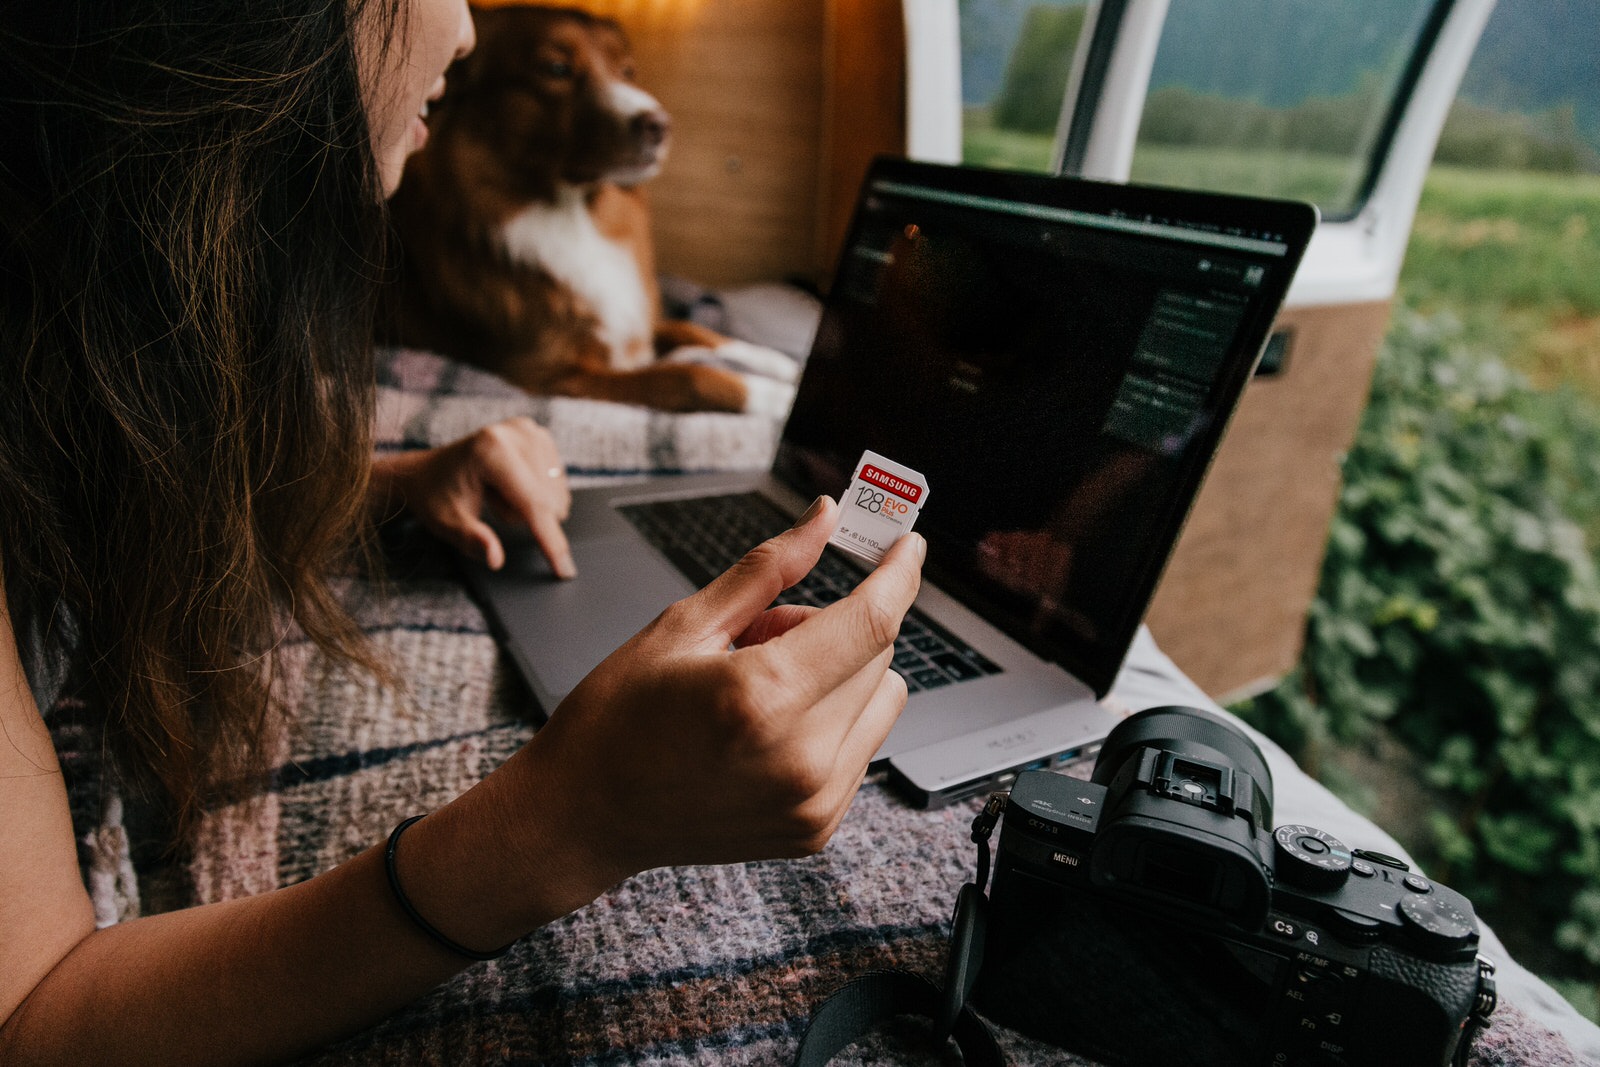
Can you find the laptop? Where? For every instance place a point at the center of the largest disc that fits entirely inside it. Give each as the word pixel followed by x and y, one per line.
pixel 1059 359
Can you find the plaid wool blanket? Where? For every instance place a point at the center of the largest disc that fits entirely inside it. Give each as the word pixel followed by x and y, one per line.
pixel 700 965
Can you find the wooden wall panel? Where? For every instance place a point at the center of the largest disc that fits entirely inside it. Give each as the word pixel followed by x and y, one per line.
pixel 864 108
pixel 1231 607
pixel 744 83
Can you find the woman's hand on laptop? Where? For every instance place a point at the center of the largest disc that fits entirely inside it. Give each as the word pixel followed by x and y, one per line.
pixel 724 731
pixel 511 470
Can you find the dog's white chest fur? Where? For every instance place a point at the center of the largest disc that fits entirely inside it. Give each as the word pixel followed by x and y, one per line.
pixel 563 239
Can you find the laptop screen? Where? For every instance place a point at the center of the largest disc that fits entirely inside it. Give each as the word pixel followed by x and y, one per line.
pixel 1058 358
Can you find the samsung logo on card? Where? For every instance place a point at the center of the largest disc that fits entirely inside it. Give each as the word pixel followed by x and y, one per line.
pixel 897 486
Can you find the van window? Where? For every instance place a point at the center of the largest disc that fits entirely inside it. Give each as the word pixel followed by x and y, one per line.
pixel 1280 97
pixel 1016 57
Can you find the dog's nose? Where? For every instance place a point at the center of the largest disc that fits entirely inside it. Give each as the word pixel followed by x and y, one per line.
pixel 652 127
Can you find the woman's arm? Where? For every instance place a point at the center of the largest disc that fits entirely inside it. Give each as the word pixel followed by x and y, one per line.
pixel 770 741
pixel 248 981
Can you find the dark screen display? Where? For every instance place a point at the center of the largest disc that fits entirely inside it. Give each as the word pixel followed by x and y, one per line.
pixel 1121 986
pixel 1060 378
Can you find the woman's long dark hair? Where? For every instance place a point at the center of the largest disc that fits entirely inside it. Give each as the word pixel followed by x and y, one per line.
pixel 190 233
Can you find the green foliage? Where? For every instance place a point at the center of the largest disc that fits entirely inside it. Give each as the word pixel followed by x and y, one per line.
pixel 1476 136
pixel 1328 181
pixel 1460 608
pixel 1344 125
pixel 1327 125
pixel 1036 77
pixel 983 145
pixel 1507 238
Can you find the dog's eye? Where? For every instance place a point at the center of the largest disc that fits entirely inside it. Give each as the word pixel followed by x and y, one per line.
pixel 556 68
pixel 628 72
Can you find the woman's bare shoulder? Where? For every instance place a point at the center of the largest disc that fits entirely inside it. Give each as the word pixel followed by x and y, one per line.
pixel 25 746
pixel 44 908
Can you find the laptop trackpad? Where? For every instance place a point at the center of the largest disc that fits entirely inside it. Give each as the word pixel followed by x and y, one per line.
pixel 565 628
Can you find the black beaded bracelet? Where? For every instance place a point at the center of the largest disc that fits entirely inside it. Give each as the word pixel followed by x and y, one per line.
pixel 405 902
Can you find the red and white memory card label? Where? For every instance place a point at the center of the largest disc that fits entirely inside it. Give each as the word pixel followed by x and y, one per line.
pixel 881 504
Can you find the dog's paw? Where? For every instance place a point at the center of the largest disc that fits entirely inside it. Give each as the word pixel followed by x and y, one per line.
pixel 741 357
pixel 763 396
pixel 691 354
pixel 768 376
pixel 758 359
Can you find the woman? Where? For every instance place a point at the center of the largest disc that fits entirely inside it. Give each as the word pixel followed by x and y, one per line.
pixel 189 219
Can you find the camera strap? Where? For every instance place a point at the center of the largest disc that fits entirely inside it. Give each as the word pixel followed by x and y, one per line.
pixel 877 996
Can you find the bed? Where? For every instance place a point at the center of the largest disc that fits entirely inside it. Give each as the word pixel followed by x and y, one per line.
pixel 702 965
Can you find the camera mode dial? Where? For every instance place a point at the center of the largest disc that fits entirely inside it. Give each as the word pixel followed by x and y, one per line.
pixel 1436 925
pixel 1310 858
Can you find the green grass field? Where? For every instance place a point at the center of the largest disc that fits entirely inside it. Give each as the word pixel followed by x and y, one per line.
pixel 1515 255
pixel 1327 180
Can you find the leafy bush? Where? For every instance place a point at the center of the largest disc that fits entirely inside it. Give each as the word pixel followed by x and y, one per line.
pixel 1329 125
pixel 1460 611
pixel 1507 238
pixel 1476 136
pixel 1344 125
pixel 1036 77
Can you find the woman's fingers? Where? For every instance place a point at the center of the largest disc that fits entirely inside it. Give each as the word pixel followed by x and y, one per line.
pixel 773 622
pixel 735 599
pixel 518 463
pixel 828 648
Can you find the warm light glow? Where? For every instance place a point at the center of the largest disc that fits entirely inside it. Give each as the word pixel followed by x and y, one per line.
pixel 633 14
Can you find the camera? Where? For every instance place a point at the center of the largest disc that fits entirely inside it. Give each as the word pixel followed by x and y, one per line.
pixel 1154 915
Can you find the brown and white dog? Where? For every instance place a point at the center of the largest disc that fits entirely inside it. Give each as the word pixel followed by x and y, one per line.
pixel 526 238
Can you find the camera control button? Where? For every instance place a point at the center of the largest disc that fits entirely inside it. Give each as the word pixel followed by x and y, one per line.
pixel 1363 868
pixel 1418 884
pixel 1434 924
pixel 1310 858
pixel 1287 929
pixel 1353 926
pixel 1383 858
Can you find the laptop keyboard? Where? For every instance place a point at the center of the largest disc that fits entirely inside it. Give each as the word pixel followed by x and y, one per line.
pixel 704 536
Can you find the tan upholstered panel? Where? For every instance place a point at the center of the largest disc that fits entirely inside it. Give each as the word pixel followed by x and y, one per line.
pixel 1231 608
pixel 744 82
pixel 864 108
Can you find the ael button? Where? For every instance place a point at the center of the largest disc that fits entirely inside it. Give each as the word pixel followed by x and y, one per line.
pixel 1319 991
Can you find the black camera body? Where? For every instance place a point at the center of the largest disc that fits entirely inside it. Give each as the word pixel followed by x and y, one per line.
pixel 1154 915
